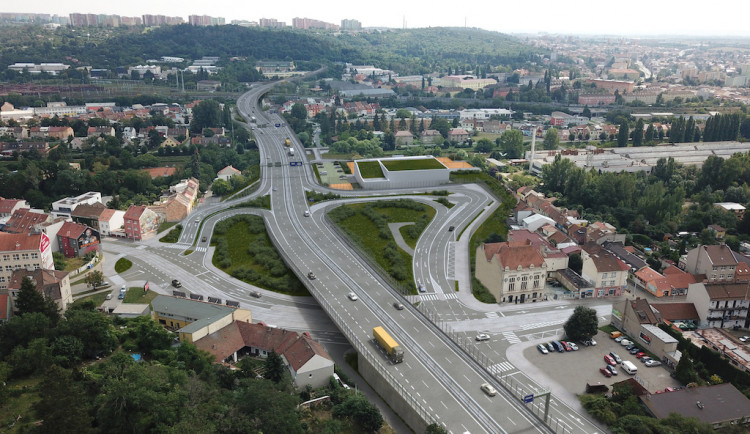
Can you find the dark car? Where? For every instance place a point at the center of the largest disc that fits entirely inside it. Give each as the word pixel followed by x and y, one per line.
pixel 255 294
pixel 612 369
pixel 176 283
pixel 398 306
pixel 550 347
pixel 450 229
pixel 605 372
pixel 635 350
pixel 203 239
pixel 558 347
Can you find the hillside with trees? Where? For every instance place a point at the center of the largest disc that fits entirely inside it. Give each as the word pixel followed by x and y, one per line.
pixel 408 51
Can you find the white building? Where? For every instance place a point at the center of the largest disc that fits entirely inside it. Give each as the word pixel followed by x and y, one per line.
pixel 403 172
pixel 64 207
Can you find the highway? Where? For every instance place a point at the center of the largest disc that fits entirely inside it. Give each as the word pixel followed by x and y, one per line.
pixel 441 378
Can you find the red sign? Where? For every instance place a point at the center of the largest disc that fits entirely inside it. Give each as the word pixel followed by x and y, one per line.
pixel 44 245
pixel 145 287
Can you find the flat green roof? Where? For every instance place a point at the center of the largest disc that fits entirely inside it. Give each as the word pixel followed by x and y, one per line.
pixel 370 169
pixel 412 164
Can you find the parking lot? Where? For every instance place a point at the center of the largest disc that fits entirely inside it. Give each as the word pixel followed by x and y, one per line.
pixel 573 369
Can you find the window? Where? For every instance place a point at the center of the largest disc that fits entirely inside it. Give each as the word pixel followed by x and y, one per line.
pixel 524 285
pixel 611 283
pixel 8 268
pixel 25 256
pixel 721 276
pixel 16 257
pixel 511 287
pixel 35 256
pixel 6 257
pixel 2 279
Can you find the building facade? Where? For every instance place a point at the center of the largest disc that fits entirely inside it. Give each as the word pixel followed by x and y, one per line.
pixel 23 251
pixel 513 271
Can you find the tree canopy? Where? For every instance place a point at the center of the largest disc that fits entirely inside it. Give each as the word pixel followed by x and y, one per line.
pixel 582 324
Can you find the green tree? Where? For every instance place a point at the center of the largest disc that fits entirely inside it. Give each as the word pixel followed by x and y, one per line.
pixel 94 278
pixel 361 411
pixel 622 135
pixel 582 324
pixel 511 143
pixel 59 260
pixel 29 300
pixel 638 133
pixel 484 145
pixel 551 139
pixel 58 386
pixel 205 115
pixel 220 187
pixel 685 370
pixel 435 428
pixel 274 367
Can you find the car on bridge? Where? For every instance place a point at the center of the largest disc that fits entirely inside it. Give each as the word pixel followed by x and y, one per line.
pixel 311 276
pixel 398 306
pixel 488 389
pixel 352 296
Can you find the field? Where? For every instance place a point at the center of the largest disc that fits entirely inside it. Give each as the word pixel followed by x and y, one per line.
pixel 370 169
pixel 421 164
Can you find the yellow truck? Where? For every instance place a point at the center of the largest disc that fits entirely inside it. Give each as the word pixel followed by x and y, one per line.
pixel 390 346
pixel 287 142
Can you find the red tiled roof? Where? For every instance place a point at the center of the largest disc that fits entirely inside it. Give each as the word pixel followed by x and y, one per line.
pixel 7 205
pixel 23 220
pixel 106 215
pixel 643 310
pixel 678 278
pixel 603 260
pixel 677 311
pixel 302 350
pixel 85 210
pixel 719 291
pixel 71 230
pixel 134 212
pixel 19 242
pixel 514 254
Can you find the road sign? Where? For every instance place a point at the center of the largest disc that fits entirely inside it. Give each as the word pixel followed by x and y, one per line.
pixel 528 398
pixel 295 163
pixel 278 125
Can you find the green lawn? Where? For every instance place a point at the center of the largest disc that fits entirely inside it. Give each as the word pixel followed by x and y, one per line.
pixel 98 299
pixel 421 164
pixel 166 225
pixel 136 295
pixel 370 169
pixel 244 250
pixel 122 265
pixel 72 264
pixel 172 236
pixel 23 395
pixel 366 233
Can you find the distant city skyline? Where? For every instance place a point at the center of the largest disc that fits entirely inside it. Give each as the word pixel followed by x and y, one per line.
pixel 635 18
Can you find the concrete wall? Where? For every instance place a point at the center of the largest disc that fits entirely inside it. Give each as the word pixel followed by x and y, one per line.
pixel 489 273
pixel 389 394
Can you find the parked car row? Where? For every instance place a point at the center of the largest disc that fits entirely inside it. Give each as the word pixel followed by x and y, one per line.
pixel 559 346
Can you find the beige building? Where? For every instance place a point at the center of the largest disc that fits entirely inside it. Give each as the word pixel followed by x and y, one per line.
pixel 608 274
pixel 23 251
pixel 716 262
pixel 721 305
pixel 51 284
pixel 640 321
pixel 513 271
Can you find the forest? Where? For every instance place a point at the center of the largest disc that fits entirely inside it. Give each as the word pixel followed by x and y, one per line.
pixel 84 359
pixel 412 51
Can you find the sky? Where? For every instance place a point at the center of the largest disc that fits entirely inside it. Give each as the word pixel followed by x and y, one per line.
pixel 633 18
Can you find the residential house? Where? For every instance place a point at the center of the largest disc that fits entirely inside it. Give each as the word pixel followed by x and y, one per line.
pixel 496 127
pixel 178 203
pixel 404 138
pixel 88 215
pixel 718 231
pixel 9 206
pixel 608 274
pixel 112 222
pixel 27 251
pixel 52 284
pixel 193 319
pixel 76 240
pixel 734 208
pixel 140 223
pixel 306 359
pixel 24 221
pixel 719 405
pixel 535 221
pixel 639 320
pixel 100 131
pixel 227 172
pixel 559 119
pixel 673 282
pixel 431 137
pixel 716 262
pixel 554 258
pixel 59 133
pixel 169 142
pixel 513 271
pixel 18 133
pixel 624 254
pixel 458 135
pixel 721 304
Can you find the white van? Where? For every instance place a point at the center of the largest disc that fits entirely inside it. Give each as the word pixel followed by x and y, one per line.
pixel 629 367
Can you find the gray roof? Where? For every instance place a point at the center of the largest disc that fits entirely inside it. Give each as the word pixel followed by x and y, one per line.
pixel 201 312
pixel 719 403
pixel 618 250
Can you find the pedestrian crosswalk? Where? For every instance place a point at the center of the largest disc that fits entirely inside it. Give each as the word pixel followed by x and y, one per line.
pixel 200 249
pixel 498 368
pixel 511 337
pixel 492 315
pixel 438 296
